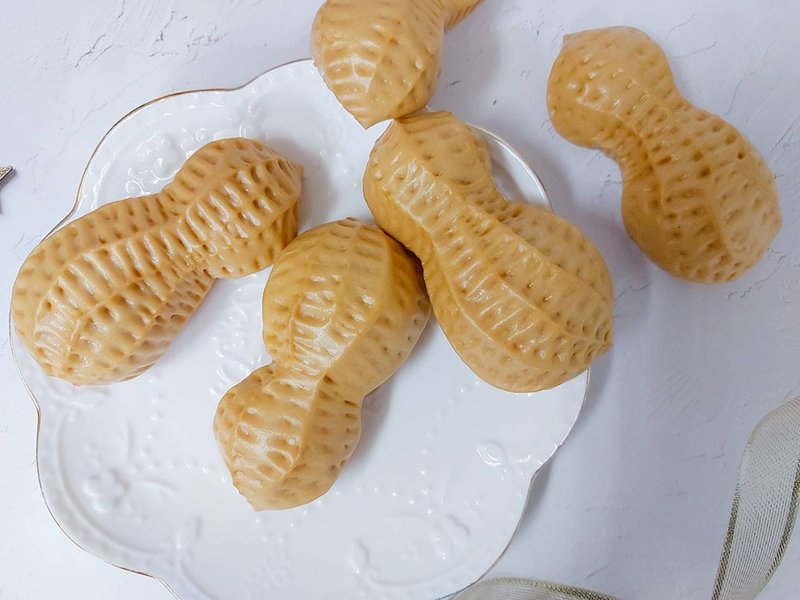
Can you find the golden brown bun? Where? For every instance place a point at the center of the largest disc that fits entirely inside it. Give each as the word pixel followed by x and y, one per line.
pixel 101 299
pixel 343 307
pixel 522 295
pixel 697 197
pixel 381 59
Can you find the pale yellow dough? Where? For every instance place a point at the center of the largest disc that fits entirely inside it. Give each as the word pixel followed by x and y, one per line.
pixel 382 58
pixel 101 299
pixel 343 307
pixel 522 295
pixel 697 197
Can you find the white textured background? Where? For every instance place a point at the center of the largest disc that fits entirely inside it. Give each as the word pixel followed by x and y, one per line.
pixel 636 503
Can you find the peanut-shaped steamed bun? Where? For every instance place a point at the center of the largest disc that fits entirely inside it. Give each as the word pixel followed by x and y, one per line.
pixel 343 307
pixel 102 298
pixel 523 296
pixel 697 197
pixel 382 58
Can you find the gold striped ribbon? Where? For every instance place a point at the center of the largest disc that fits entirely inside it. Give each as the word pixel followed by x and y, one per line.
pixel 762 517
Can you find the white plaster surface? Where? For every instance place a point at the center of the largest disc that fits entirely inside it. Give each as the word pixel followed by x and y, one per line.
pixel 636 502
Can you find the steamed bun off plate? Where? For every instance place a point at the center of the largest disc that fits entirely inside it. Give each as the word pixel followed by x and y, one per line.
pixel 697 197
pixel 382 58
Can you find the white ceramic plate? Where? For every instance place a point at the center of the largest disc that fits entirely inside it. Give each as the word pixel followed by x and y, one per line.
pixel 131 471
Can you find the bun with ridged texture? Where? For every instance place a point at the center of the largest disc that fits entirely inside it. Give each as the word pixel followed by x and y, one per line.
pixel 343 307
pixel 102 298
pixel 523 296
pixel 382 58
pixel 697 197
